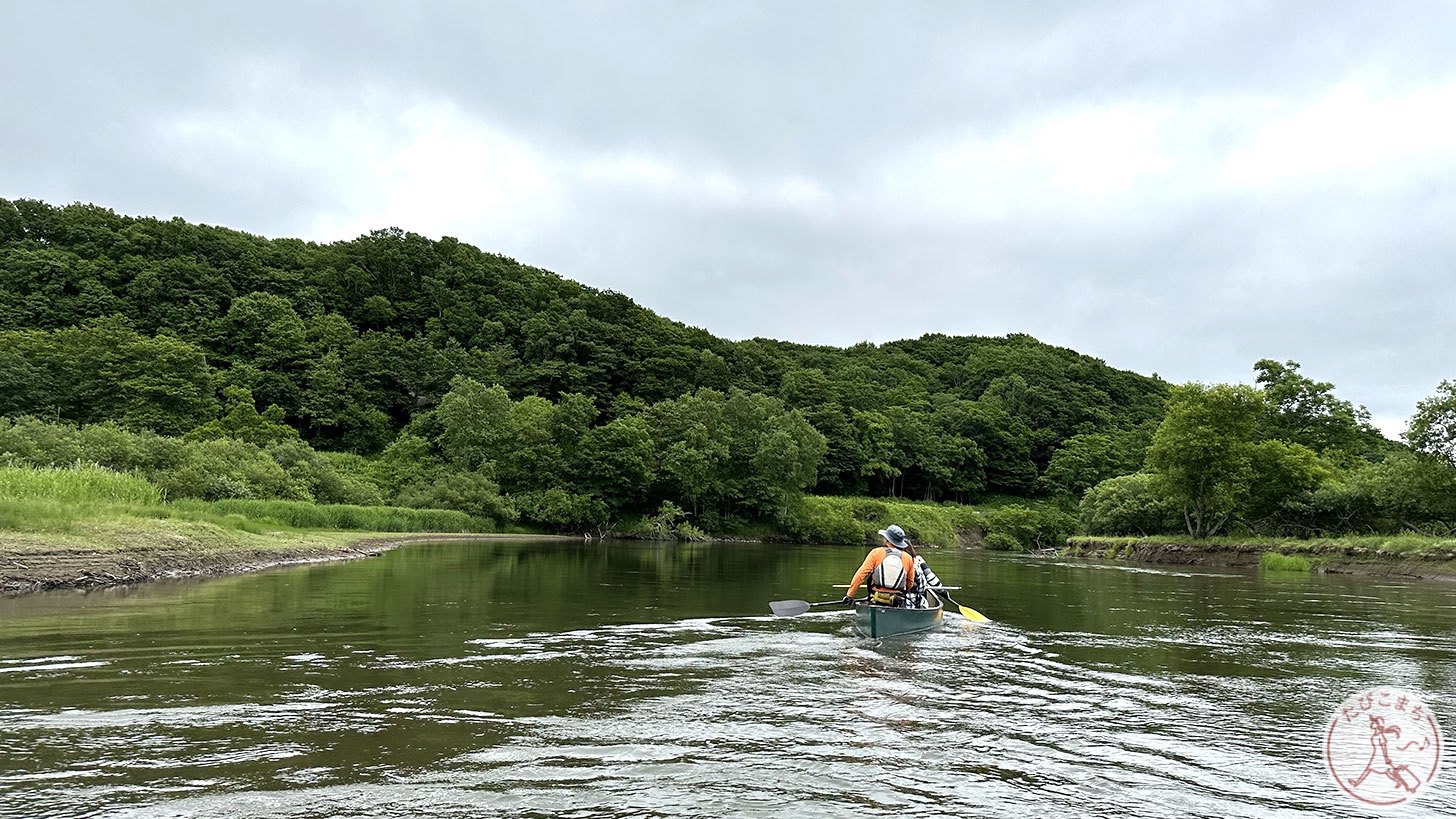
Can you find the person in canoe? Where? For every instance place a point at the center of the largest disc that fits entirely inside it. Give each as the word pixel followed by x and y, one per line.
pixel 923 581
pixel 888 571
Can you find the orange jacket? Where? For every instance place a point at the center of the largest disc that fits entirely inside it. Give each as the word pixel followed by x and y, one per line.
pixel 875 558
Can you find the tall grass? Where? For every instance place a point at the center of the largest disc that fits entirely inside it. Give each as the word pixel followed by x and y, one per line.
pixel 84 485
pixel 50 499
pixel 305 515
pixel 1279 562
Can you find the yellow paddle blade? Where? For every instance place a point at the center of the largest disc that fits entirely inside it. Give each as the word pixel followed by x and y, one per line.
pixel 973 615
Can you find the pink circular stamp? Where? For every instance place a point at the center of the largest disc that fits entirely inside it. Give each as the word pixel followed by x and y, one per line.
pixel 1383 746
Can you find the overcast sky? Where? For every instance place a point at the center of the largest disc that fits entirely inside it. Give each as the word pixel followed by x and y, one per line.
pixel 1173 187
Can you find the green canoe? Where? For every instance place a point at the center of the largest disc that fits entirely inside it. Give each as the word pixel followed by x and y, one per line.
pixel 887 621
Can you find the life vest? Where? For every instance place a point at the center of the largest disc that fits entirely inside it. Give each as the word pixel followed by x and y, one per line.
pixel 893 573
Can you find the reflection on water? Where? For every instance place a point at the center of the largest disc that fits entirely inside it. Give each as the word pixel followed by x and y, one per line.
pixel 635 679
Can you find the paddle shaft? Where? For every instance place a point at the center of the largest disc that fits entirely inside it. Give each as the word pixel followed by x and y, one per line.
pixel 932 588
pixel 966 611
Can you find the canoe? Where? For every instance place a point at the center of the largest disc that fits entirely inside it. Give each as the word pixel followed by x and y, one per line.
pixel 888 621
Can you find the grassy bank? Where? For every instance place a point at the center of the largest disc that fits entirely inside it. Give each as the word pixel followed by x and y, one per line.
pixel 85 526
pixel 1403 554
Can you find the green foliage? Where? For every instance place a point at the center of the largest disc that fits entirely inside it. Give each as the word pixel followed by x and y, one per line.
pixel 106 371
pixel 734 453
pixel 354 341
pixel 1432 429
pixel 1298 410
pixel 1202 452
pixel 669 522
pixel 63 498
pixel 468 492
pixel 562 510
pixel 1085 460
pixel 208 469
pixel 1128 505
pixel 819 519
pixel 242 421
pixel 1413 492
pixel 1030 528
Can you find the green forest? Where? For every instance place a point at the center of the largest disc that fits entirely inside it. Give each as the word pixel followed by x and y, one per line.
pixel 396 370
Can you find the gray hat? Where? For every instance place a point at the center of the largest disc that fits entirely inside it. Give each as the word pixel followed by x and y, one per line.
pixel 895 535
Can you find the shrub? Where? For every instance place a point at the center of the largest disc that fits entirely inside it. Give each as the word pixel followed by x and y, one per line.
pixel 561 510
pixel 468 492
pixel 1031 528
pixel 1129 505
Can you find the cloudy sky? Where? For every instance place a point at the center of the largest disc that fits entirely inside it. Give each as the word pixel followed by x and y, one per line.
pixel 1174 187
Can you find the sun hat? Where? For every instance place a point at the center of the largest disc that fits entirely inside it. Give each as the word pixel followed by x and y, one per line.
pixel 895 535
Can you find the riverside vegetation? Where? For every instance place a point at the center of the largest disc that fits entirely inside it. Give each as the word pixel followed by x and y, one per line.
pixel 284 382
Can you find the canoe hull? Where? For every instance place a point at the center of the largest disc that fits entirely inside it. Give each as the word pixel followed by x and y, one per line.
pixel 884 621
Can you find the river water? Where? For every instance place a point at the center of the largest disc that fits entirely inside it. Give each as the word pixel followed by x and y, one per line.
pixel 627 679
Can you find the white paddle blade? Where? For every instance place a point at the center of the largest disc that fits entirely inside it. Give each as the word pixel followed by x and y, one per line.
pixel 789 608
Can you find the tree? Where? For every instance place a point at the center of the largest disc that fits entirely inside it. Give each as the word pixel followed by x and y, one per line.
pixel 241 421
pixel 1283 480
pixel 475 423
pixel 1202 451
pixel 1083 461
pixel 615 461
pixel 1303 411
pixel 1432 429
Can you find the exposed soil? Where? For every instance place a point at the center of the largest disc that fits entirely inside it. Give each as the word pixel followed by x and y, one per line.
pixel 30 571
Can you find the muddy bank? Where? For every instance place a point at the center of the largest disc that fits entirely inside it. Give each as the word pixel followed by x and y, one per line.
pixel 34 570
pixel 1332 558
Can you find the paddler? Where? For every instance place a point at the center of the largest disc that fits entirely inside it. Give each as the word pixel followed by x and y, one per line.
pixel 889 570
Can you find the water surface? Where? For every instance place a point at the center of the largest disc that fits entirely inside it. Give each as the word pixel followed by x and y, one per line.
pixel 628 679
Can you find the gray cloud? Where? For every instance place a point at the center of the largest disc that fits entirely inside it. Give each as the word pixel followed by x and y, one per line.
pixel 1181 188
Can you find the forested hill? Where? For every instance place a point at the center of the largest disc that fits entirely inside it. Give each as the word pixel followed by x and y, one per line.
pixel 156 324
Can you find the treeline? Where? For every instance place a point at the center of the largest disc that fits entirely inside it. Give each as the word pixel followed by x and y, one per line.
pixel 1285 457
pixel 395 369
pixel 165 327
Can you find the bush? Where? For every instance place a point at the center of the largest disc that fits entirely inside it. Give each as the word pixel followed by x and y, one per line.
pixel 1002 542
pixel 1129 505
pixel 468 492
pixel 561 510
pixel 1031 528
pixel 820 519
pixel 224 468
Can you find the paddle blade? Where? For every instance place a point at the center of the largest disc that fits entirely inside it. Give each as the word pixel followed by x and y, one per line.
pixel 789 608
pixel 973 615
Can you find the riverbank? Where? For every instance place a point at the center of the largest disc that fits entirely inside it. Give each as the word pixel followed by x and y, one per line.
pixel 1379 555
pixel 111 555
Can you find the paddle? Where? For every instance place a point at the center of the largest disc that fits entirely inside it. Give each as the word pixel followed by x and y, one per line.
pixel 794 608
pixel 966 611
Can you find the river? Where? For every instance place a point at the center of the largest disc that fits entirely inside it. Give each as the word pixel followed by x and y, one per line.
pixel 628 679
